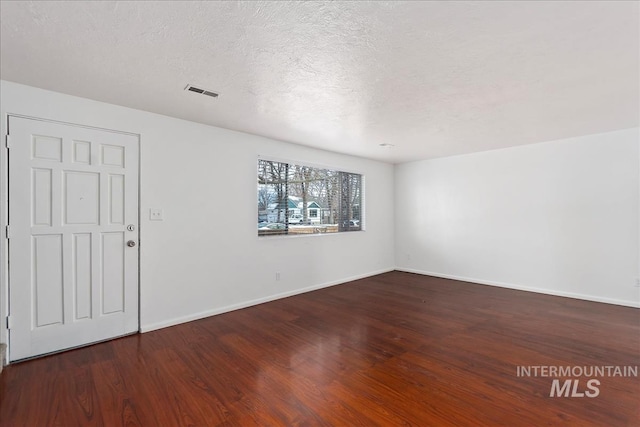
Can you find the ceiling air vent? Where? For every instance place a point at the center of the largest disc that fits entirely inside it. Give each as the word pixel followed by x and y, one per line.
pixel 201 91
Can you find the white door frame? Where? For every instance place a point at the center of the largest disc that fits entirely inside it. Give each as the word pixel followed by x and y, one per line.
pixel 4 209
pixel 4 220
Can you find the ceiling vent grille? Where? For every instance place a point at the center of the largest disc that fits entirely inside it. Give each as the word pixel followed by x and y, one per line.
pixel 201 91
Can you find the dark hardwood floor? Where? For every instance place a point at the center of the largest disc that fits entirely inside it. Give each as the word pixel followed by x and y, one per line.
pixel 396 349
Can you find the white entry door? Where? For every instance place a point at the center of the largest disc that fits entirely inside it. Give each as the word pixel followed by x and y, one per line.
pixel 73 236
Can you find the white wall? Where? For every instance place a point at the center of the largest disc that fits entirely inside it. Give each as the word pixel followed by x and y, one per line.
pixel 205 257
pixel 558 217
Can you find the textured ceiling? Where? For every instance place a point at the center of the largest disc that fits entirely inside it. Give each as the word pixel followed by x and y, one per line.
pixel 432 78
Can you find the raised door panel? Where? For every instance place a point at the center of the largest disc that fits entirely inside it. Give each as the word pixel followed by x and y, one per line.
pixel 113 272
pixel 82 197
pixel 48 293
pixel 82 275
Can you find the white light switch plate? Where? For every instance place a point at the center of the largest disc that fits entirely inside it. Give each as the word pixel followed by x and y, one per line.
pixel 155 214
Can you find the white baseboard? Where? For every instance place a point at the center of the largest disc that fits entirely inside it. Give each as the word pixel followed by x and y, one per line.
pixel 634 304
pixel 245 304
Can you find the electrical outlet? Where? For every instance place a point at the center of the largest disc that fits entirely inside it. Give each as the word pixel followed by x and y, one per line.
pixel 155 214
pixel 638 283
pixel 277 276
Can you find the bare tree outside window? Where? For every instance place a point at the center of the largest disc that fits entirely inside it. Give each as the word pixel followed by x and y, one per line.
pixel 299 199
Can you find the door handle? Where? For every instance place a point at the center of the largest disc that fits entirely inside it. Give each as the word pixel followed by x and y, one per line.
pixel 131 243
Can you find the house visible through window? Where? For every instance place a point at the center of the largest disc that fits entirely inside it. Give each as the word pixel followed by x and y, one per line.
pixel 297 199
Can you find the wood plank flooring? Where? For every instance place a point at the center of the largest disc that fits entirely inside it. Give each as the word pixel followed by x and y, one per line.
pixel 396 349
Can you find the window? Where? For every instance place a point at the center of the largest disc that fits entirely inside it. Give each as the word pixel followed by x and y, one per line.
pixel 297 199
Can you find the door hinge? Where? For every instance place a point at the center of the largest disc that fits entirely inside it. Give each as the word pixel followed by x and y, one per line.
pixel 9 322
pixel 8 232
pixel 7 141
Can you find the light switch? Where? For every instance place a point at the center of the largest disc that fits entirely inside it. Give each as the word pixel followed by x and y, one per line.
pixel 155 214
